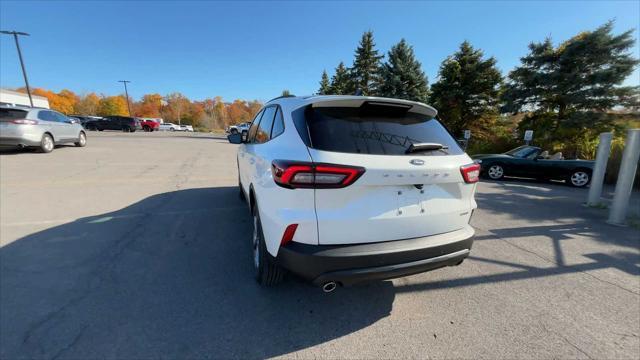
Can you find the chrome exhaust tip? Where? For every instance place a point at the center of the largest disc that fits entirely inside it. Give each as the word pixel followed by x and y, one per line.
pixel 329 286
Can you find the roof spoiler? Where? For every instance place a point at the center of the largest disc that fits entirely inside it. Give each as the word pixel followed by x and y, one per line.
pixel 357 101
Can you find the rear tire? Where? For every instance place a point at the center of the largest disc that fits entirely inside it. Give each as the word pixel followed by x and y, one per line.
pixel 82 140
pixel 147 128
pixel 46 144
pixel 266 272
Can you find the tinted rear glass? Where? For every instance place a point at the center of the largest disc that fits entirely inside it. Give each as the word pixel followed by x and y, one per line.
pixel 376 130
pixel 12 114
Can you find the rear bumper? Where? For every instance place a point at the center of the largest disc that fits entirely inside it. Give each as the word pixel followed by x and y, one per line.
pixel 19 141
pixel 350 264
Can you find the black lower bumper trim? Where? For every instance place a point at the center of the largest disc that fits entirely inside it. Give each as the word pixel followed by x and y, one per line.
pixel 350 264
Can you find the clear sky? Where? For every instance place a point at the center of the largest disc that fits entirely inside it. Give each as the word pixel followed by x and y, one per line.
pixel 254 50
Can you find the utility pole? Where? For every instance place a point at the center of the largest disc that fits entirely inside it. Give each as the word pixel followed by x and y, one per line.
pixel 24 72
pixel 126 93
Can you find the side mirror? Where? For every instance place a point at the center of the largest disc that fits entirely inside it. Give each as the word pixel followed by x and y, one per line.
pixel 235 138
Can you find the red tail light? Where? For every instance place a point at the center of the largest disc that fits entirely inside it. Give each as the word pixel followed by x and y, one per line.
pixel 24 122
pixel 293 174
pixel 470 173
pixel 288 234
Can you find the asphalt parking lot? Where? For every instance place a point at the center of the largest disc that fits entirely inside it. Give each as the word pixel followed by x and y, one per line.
pixel 137 247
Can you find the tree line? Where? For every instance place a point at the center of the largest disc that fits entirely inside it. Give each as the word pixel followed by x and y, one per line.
pixel 211 113
pixel 566 93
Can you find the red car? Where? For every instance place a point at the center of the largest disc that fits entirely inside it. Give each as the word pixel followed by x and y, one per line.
pixel 149 125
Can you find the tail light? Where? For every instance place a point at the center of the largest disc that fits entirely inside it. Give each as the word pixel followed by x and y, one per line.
pixel 24 122
pixel 293 174
pixel 470 173
pixel 288 234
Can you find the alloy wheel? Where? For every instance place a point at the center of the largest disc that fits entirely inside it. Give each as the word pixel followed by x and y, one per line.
pixel 47 143
pixel 495 172
pixel 579 178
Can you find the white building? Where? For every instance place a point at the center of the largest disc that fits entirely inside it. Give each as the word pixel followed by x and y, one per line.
pixel 14 98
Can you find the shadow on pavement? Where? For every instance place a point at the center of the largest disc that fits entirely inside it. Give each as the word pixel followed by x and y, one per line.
pixel 167 277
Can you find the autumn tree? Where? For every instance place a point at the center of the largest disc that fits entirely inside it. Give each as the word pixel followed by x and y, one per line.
pixel 87 105
pixel 113 105
pixel 467 91
pixel 325 85
pixel 177 106
pixel 149 106
pixel 220 112
pixel 341 81
pixel 64 101
pixel 365 72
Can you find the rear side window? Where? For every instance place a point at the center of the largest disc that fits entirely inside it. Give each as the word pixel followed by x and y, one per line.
pixel 12 114
pixel 264 128
pixel 278 124
pixel 376 130
pixel 46 116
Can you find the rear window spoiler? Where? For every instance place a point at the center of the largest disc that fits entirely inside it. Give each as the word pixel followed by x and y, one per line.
pixel 357 101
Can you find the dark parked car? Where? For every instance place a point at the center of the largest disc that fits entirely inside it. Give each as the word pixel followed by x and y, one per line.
pixel 123 123
pixel 85 118
pixel 532 162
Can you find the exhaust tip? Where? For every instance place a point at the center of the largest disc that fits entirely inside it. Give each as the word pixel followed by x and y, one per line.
pixel 329 286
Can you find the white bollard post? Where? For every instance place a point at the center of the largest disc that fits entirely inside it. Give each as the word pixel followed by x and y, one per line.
pixel 626 175
pixel 597 178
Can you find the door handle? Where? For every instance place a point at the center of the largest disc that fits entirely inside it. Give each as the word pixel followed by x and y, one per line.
pixel 252 161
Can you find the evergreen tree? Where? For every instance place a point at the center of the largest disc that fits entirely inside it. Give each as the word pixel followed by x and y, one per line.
pixel 325 86
pixel 568 91
pixel 365 73
pixel 402 76
pixel 467 91
pixel 341 82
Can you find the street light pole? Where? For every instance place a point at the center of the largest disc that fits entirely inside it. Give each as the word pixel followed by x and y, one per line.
pixel 126 94
pixel 24 72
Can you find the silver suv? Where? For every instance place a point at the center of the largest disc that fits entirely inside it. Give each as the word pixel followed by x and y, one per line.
pixel 39 128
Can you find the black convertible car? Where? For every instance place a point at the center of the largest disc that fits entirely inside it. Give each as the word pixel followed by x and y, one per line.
pixel 532 162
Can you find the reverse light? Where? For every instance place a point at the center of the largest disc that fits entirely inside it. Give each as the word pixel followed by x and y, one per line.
pixel 470 173
pixel 293 174
pixel 24 122
pixel 288 234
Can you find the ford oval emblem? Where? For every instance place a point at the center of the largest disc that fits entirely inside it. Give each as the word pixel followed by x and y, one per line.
pixel 417 162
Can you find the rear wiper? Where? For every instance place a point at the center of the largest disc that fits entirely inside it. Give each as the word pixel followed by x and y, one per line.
pixel 425 147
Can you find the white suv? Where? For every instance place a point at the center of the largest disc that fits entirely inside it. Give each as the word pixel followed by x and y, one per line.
pixel 344 189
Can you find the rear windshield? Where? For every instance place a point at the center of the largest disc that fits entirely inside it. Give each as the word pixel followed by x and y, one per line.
pixel 12 114
pixel 376 130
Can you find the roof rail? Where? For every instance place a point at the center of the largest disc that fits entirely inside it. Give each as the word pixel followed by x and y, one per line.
pixel 281 96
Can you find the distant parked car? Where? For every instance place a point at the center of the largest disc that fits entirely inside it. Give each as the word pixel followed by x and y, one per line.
pixel 169 127
pixel 149 125
pixel 242 128
pixel 531 162
pixel 85 118
pixel 39 128
pixel 188 128
pixel 123 123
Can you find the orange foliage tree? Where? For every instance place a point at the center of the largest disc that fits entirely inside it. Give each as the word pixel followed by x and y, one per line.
pixel 211 113
pixel 113 105
pixel 87 105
